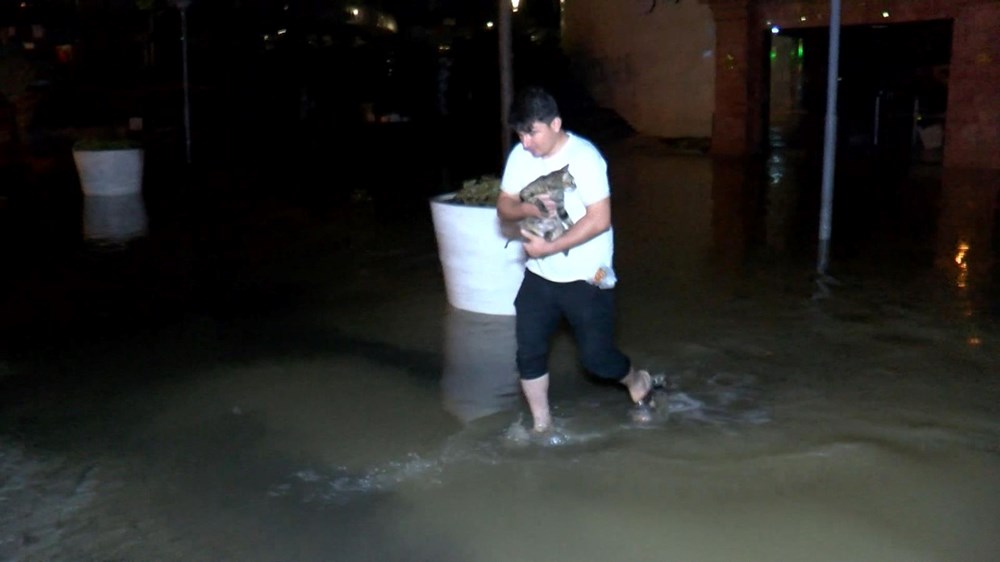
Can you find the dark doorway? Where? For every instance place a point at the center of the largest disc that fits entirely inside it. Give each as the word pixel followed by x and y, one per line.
pixel 892 91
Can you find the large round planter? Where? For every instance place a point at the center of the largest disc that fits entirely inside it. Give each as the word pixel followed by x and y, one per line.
pixel 482 272
pixel 109 172
pixel 114 219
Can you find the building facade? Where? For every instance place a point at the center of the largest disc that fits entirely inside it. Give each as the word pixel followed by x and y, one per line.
pixel 677 68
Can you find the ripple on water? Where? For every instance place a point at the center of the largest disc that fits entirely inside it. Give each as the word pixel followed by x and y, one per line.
pixel 586 425
pixel 340 485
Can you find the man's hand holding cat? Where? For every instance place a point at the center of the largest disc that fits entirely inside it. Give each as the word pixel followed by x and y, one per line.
pixel 536 246
pixel 546 201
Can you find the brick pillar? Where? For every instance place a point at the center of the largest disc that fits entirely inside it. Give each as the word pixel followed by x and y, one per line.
pixel 972 131
pixel 758 81
pixel 730 122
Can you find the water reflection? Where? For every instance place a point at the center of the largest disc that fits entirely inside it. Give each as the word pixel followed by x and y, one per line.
pixel 737 210
pixel 781 199
pixel 114 219
pixel 966 238
pixel 966 227
pixel 480 376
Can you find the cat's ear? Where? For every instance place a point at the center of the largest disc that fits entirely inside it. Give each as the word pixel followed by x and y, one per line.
pixel 565 169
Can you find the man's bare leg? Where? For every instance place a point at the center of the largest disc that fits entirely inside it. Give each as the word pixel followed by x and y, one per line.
pixel 536 392
pixel 639 383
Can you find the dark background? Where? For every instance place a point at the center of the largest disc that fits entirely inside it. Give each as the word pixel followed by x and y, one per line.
pixel 299 81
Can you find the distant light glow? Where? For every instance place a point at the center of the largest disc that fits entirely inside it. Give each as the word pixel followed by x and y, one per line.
pixel 64 53
pixel 885 14
pixel 386 22
pixel 774 53
pixel 489 25
pixel 800 50
pixel 963 266
pixel 962 249
pixel 775 29
pixel 803 18
pixel 515 4
pixel 282 31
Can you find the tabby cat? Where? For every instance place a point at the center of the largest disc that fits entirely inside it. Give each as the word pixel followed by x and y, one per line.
pixel 553 184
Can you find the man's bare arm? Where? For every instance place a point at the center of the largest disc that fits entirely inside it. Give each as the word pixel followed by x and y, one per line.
pixel 511 208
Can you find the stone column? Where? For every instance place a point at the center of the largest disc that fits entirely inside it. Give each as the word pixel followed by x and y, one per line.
pixel 730 124
pixel 972 130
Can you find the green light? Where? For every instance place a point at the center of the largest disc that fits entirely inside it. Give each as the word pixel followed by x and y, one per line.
pixel 774 53
pixel 800 48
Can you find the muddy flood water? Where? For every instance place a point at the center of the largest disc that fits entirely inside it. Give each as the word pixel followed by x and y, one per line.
pixel 286 381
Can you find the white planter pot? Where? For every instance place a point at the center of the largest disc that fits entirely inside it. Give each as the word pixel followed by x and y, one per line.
pixel 482 272
pixel 109 172
pixel 114 219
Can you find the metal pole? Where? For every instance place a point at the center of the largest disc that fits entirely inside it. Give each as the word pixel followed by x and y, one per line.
pixel 830 141
pixel 506 76
pixel 184 64
pixel 878 115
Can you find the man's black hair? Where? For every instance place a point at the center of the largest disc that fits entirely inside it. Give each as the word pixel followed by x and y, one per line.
pixel 531 105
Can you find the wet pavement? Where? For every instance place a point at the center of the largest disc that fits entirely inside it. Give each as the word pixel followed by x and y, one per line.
pixel 271 371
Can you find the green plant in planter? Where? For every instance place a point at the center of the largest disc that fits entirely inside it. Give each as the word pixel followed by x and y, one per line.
pixel 482 270
pixel 481 192
pixel 106 144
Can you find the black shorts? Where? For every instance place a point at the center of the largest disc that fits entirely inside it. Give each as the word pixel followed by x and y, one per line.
pixel 590 311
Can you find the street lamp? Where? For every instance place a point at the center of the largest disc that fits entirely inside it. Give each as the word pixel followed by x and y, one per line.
pixel 506 73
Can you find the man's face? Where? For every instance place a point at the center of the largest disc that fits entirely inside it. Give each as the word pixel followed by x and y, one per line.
pixel 542 139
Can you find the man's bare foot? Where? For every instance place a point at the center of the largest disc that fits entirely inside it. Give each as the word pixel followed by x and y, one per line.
pixel 542 426
pixel 536 392
pixel 548 436
pixel 640 386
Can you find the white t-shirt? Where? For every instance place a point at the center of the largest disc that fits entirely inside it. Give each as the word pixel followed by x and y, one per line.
pixel 590 173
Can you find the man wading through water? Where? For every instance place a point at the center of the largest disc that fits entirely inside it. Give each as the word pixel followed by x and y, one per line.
pixel 577 285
